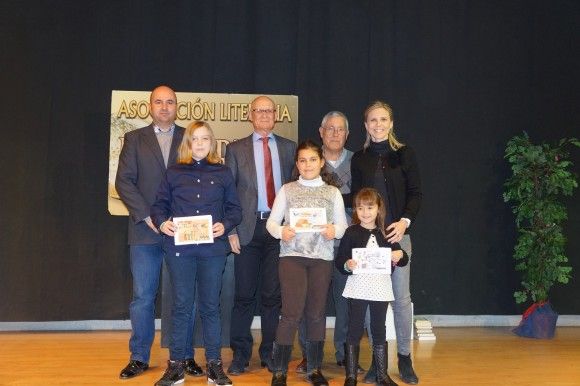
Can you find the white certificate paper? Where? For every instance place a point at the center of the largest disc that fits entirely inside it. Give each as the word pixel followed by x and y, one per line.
pixel 372 260
pixel 307 219
pixel 193 230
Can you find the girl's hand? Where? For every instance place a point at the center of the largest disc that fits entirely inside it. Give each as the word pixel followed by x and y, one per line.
pixel 168 227
pixel 396 256
pixel 351 264
pixel 218 229
pixel 328 231
pixel 288 233
pixel 396 231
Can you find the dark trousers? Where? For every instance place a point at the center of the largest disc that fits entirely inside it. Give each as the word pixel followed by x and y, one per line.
pixel 304 284
pixel 357 309
pixel 256 267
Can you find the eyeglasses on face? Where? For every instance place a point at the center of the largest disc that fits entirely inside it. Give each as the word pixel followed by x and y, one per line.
pixel 335 130
pixel 263 111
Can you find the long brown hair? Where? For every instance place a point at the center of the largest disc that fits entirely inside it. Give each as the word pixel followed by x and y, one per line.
pixel 184 153
pixel 371 196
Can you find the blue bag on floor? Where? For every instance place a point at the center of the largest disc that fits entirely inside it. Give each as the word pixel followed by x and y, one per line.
pixel 539 321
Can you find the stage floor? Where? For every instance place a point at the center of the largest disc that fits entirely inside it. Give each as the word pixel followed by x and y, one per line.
pixel 459 356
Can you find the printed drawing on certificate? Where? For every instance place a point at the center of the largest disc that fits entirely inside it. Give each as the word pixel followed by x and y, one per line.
pixel 193 230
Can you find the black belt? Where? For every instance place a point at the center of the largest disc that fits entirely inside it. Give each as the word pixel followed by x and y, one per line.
pixel 262 215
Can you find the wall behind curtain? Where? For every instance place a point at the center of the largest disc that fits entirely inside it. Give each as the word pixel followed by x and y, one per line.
pixel 463 77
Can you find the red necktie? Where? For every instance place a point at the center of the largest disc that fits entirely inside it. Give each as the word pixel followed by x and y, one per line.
pixel 270 191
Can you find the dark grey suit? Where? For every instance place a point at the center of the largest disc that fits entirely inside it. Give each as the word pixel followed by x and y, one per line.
pixel 258 260
pixel 141 169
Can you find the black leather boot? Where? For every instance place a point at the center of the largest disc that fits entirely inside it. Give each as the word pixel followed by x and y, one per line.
pixel 314 354
pixel 281 357
pixel 351 353
pixel 381 363
pixel 406 371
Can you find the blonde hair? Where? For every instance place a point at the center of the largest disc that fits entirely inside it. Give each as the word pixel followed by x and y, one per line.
pixel 184 153
pixel 392 138
pixel 371 196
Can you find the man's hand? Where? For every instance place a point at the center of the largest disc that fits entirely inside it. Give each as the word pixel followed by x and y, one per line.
pixel 150 225
pixel 235 243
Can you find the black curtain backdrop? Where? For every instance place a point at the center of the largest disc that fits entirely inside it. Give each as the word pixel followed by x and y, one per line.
pixel 462 76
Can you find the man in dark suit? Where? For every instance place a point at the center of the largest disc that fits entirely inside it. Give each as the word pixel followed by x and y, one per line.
pixel 146 154
pixel 255 161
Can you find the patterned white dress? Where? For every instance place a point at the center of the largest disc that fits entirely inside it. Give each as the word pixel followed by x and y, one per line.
pixel 367 286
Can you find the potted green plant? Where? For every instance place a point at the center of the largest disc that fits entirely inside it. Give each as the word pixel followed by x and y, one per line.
pixel 541 176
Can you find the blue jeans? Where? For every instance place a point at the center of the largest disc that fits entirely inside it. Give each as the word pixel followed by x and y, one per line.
pixel 402 311
pixel 185 272
pixel 145 263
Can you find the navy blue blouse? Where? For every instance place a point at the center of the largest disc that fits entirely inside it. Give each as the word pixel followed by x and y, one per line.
pixel 198 189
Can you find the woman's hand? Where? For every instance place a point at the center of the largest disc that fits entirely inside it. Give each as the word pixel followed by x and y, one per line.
pixel 351 264
pixel 288 233
pixel 328 231
pixel 396 231
pixel 396 256
pixel 218 229
pixel 168 227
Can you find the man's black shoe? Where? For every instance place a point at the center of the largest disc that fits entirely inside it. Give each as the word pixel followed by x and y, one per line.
pixel 193 368
pixel 133 369
pixel 316 378
pixel 406 371
pixel 173 375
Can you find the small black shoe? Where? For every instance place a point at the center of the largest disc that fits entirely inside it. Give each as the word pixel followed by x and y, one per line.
pixel 215 373
pixel 133 369
pixel 406 371
pixel 237 368
pixel 302 366
pixel 192 368
pixel 316 378
pixel 173 375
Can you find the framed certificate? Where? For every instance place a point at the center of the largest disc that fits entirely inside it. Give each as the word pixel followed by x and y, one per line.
pixel 193 230
pixel 307 219
pixel 372 260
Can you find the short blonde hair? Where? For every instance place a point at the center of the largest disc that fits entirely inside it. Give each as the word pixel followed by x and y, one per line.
pixel 184 153
pixel 392 138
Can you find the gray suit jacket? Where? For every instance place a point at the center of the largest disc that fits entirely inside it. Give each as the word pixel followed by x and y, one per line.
pixel 240 159
pixel 141 168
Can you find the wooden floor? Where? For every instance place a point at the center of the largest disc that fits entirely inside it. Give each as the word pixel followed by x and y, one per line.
pixel 460 356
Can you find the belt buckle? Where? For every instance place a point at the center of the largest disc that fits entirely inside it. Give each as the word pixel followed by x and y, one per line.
pixel 264 215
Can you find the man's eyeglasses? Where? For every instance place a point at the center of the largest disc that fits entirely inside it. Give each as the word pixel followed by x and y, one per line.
pixel 263 111
pixel 335 130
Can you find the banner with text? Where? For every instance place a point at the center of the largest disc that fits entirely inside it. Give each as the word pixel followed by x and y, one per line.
pixel 226 113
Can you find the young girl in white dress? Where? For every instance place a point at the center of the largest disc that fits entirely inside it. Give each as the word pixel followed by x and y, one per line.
pixel 365 289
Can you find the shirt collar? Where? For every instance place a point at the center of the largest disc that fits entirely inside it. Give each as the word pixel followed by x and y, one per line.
pixel 158 130
pixel 257 137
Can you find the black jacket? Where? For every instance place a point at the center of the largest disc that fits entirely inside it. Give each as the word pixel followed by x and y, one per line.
pixel 401 174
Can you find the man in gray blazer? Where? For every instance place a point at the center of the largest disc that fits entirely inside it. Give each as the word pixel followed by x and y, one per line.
pixel 146 154
pixel 257 252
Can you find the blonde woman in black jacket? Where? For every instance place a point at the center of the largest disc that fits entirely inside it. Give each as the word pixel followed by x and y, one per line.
pixel 389 166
